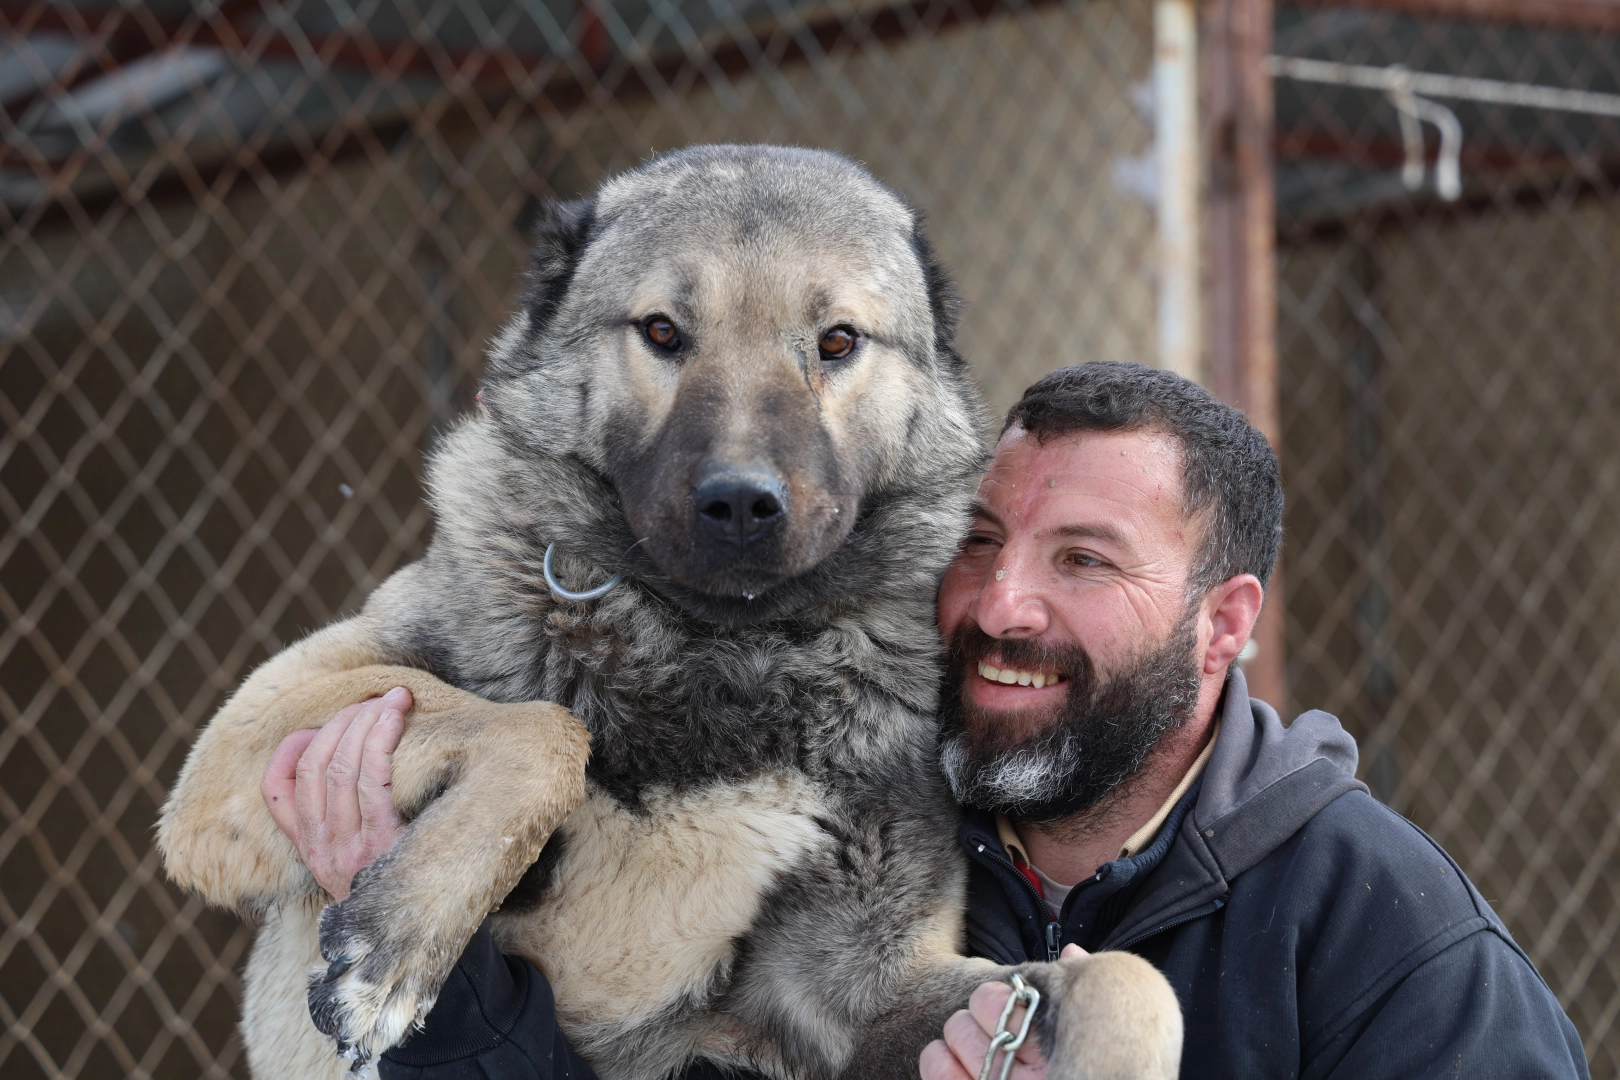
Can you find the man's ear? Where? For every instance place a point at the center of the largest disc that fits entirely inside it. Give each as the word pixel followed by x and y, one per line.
pixel 1232 608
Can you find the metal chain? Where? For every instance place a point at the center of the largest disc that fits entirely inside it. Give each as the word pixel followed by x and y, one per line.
pixel 1003 1038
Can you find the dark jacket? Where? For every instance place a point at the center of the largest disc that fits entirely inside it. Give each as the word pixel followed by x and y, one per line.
pixel 1309 932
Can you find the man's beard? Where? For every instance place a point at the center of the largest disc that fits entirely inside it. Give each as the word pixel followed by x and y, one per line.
pixel 1045 768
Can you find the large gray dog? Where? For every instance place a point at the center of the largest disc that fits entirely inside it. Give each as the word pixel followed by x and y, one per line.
pixel 730 381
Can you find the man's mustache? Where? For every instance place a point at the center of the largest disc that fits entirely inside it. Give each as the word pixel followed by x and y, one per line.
pixel 969 645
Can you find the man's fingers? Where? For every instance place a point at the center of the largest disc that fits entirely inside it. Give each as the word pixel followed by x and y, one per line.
pixel 986 1003
pixel 349 712
pixel 279 785
pixel 967 1038
pixel 938 1063
pixel 343 773
pixel 1071 950
pixel 379 821
pixel 311 771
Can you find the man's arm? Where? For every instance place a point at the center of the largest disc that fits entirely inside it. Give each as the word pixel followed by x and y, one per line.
pixel 1477 1009
pixel 495 1019
pixel 329 791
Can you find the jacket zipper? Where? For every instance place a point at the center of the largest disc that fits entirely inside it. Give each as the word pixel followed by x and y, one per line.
pixel 1054 929
pixel 1198 913
pixel 1054 939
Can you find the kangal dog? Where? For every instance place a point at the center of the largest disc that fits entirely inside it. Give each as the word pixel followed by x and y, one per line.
pixel 731 384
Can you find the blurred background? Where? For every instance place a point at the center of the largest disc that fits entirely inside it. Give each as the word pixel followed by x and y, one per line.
pixel 252 252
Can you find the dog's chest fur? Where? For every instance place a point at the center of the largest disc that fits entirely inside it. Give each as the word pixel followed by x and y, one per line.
pixel 645 908
pixel 718 777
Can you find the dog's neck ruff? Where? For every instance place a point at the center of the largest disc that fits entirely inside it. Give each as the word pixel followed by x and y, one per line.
pixel 567 594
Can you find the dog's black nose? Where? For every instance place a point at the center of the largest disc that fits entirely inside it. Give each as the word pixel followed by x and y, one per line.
pixel 740 505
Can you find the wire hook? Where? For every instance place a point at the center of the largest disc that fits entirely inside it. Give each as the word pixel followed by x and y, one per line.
pixel 1412 111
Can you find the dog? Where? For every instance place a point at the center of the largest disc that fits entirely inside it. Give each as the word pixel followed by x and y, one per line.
pixel 693 774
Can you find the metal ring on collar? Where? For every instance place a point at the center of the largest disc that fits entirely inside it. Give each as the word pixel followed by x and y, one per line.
pixel 565 594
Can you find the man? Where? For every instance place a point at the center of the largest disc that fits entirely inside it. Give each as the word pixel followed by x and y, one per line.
pixel 1123 790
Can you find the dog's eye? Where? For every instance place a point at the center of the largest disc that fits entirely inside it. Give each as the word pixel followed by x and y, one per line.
pixel 837 343
pixel 662 333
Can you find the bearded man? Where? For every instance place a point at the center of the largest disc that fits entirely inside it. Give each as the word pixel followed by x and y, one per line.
pixel 1125 792
pixel 1121 789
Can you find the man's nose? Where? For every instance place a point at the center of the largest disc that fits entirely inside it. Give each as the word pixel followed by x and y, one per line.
pixel 1009 603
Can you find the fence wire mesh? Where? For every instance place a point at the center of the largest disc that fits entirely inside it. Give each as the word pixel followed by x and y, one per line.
pixel 252 252
pixel 251 258
pixel 1451 397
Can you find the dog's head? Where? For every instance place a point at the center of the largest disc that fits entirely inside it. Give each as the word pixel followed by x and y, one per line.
pixel 750 343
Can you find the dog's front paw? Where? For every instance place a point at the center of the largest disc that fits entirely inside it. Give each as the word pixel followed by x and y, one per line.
pixel 384 971
pixel 1109 1016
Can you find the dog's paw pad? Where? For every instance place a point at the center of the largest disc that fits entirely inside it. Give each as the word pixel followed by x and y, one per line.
pixel 370 993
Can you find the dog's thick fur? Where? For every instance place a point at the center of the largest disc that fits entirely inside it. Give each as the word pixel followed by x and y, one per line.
pixel 758 865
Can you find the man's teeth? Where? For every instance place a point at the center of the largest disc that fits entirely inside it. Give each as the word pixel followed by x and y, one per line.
pixel 1037 679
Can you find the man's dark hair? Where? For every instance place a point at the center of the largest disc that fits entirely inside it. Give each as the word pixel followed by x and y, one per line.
pixel 1227 467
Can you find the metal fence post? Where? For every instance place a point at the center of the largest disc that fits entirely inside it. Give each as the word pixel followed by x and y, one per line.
pixel 1175 139
pixel 1240 220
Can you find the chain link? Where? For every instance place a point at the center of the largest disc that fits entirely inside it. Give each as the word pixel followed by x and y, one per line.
pixel 1003 1040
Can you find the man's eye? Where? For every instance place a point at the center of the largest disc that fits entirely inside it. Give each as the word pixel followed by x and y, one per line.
pixel 1083 558
pixel 662 333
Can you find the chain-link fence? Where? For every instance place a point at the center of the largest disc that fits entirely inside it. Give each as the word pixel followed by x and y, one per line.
pixel 1450 381
pixel 251 259
pixel 251 256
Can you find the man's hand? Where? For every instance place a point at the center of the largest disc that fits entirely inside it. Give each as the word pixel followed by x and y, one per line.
pixel 960 1054
pixel 330 790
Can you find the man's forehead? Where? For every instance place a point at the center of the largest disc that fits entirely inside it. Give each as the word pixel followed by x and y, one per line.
pixel 1084 459
pixel 1119 489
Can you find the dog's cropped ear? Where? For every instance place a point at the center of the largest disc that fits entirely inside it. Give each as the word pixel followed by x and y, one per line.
pixel 559 239
pixel 943 298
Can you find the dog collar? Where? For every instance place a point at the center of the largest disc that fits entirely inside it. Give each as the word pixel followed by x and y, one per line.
pixel 567 594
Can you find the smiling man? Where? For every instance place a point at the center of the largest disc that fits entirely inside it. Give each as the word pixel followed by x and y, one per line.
pixel 1125 792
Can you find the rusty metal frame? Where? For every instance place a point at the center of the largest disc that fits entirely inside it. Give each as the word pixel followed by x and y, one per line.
pixel 1241 289
pixel 1598 15
pixel 502 69
pixel 484 74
